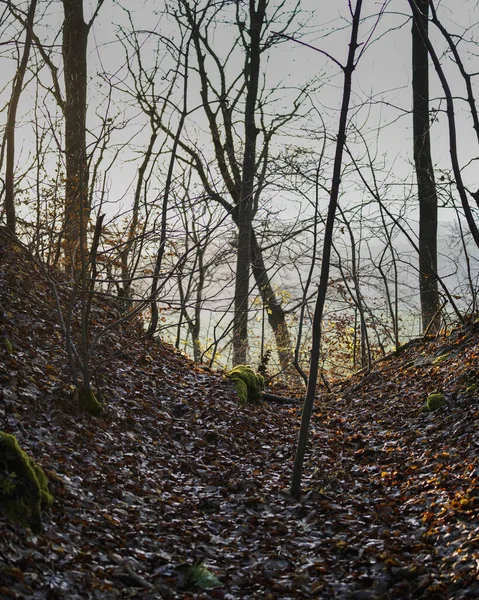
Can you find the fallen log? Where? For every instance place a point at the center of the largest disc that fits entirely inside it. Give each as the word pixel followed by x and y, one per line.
pixel 284 400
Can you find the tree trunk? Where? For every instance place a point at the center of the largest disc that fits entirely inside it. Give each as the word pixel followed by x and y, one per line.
pixel 276 315
pixel 77 209
pixel 242 175
pixel 11 119
pixel 451 121
pixel 241 299
pixel 426 186
pixel 245 206
pixel 348 70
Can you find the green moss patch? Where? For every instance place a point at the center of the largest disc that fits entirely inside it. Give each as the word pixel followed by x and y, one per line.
pixel 7 344
pixel 435 402
pixel 248 384
pixel 23 485
pixel 89 403
pixel 442 358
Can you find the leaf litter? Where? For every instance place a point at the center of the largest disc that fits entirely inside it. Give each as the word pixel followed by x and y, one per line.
pixel 176 491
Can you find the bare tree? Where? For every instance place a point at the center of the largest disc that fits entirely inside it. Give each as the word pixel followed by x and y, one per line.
pixel 426 185
pixel 77 209
pixel 11 118
pixel 246 202
pixel 241 153
pixel 451 117
pixel 348 70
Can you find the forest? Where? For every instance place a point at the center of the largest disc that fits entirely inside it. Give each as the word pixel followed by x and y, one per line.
pixel 238 299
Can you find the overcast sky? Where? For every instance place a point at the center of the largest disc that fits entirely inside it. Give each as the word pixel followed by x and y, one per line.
pixel 382 76
pixel 381 87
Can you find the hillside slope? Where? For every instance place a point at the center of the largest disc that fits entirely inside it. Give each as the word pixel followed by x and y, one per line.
pixel 174 473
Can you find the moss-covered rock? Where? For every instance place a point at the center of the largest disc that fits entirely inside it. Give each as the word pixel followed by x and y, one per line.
pixel 23 485
pixel 89 402
pixel 248 384
pixel 435 402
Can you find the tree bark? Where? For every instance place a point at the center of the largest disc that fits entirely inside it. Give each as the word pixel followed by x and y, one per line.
pixel 348 70
pixel 245 206
pixel 11 121
pixel 77 209
pixel 276 314
pixel 426 185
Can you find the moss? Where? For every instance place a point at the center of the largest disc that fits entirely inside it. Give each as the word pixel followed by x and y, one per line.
pixel 435 402
pixel 196 575
pixel 241 388
pixel 248 384
pixel 23 485
pixel 7 344
pixel 46 498
pixel 89 403
pixel 442 358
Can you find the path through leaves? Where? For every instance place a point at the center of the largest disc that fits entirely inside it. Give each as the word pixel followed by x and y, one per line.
pixel 176 474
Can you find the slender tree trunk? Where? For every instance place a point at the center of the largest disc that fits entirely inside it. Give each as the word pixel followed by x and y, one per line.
pixel 426 185
pixel 276 315
pixel 196 328
pixel 348 70
pixel 126 271
pixel 193 323
pixel 77 209
pixel 165 203
pixel 245 207
pixel 11 120
pixel 241 299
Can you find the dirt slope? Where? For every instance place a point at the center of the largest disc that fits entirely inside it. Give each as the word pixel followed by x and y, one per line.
pixel 174 473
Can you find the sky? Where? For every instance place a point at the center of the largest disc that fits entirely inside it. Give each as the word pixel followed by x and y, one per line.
pixel 381 87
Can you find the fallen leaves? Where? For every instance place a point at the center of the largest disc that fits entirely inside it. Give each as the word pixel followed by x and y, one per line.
pixel 176 475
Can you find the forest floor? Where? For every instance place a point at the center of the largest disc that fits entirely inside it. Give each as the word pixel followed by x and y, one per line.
pixel 175 473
